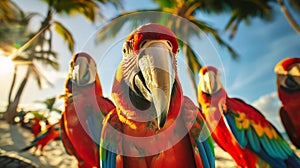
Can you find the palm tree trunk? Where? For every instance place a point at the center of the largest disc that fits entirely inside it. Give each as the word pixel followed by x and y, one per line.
pixel 12 84
pixel 288 16
pixel 13 105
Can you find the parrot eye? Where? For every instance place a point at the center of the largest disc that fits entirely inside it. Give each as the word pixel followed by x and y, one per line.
pixel 126 47
pixel 143 44
pixel 169 43
pixel 124 51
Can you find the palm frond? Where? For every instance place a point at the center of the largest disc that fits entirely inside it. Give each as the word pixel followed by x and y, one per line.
pixel 166 3
pixel 206 28
pixel 295 4
pixel 65 34
pixel 39 76
pixel 38 115
pixel 57 110
pixel 49 102
pixel 115 25
pixel 10 11
pixel 48 62
pixel 192 61
pixel 87 8
pixel 116 3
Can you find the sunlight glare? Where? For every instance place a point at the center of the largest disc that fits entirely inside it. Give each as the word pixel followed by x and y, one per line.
pixel 6 65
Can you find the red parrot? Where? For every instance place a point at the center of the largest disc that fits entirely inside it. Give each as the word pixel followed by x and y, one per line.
pixel 240 129
pixel 35 126
pixel 44 138
pixel 288 88
pixel 153 124
pixel 85 106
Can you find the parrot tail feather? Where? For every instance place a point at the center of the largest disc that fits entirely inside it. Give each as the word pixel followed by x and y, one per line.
pixel 26 148
pixel 293 161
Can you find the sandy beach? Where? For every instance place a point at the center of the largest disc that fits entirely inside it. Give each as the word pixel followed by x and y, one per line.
pixel 13 138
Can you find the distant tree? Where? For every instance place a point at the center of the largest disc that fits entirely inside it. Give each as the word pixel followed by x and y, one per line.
pixel 13 25
pixel 39 48
pixel 240 10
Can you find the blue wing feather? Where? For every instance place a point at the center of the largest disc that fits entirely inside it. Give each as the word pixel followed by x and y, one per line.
pixel 278 151
pixel 238 134
pixel 267 146
pixel 276 163
pixel 109 160
pixel 41 135
pixel 205 148
pixel 274 150
pixel 253 140
pixel 112 159
pixel 209 153
pixel 203 154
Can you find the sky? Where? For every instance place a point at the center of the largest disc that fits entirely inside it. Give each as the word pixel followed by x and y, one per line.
pixel 260 46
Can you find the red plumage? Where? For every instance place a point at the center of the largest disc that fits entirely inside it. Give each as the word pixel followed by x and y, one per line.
pixel 84 109
pixel 156 125
pixel 288 88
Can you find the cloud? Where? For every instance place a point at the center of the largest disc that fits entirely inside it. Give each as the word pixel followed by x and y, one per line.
pixel 269 105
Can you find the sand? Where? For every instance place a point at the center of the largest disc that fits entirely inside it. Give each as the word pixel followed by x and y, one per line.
pixel 14 138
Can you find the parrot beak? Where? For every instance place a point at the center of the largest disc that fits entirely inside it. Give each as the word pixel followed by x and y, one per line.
pixel 209 82
pixel 157 76
pixel 83 72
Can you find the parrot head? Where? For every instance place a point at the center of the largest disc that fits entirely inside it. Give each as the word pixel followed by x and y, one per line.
pixel 210 82
pixel 288 74
pixel 149 67
pixel 83 73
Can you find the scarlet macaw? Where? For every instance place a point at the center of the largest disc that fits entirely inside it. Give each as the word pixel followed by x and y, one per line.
pixel 44 138
pixel 288 88
pixel 35 126
pixel 151 112
pixel 240 129
pixel 85 106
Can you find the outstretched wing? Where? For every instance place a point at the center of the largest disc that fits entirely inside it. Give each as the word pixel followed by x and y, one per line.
pixel 199 134
pixel 110 141
pixel 252 130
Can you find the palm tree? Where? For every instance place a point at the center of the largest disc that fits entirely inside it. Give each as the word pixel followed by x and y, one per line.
pixel 39 48
pixel 296 5
pixel 13 25
pixel 240 11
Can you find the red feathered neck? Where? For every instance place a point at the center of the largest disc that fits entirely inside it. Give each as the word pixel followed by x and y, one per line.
pixel 212 100
pixel 289 100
